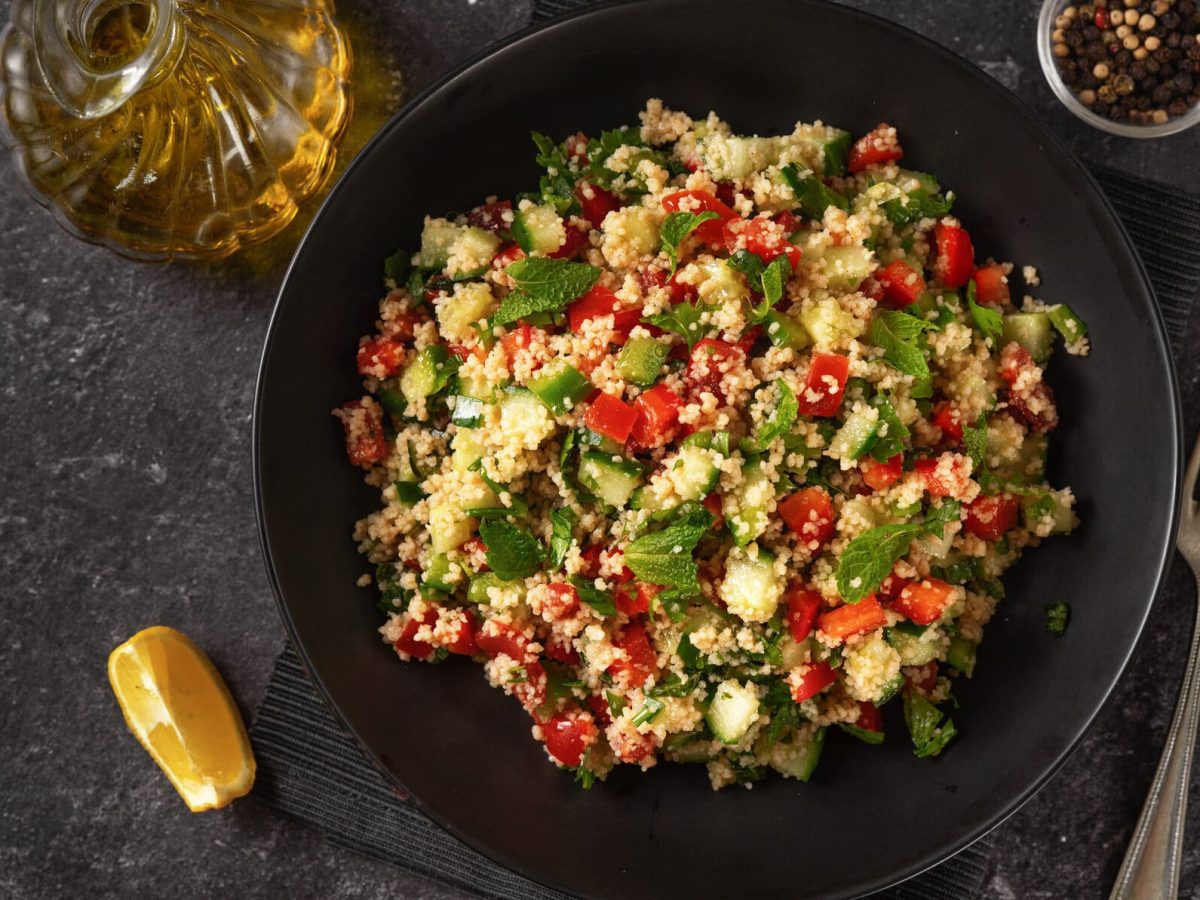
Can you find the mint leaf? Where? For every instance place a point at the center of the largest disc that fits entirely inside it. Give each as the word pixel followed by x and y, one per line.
pixel 598 600
pixel 775 278
pixel 684 320
pixel 812 194
pixel 929 729
pixel 975 441
pixel 676 227
pixel 562 521
pixel 665 557
pixel 889 441
pixel 916 205
pixel 543 285
pixel 987 320
pixel 938 517
pixel 868 559
pixel 896 333
pixel 781 419
pixel 749 264
pixel 512 552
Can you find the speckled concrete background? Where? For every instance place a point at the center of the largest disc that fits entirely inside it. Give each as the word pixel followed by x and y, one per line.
pixel 125 500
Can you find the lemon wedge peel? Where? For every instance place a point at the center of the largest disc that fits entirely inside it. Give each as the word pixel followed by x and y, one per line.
pixel 180 710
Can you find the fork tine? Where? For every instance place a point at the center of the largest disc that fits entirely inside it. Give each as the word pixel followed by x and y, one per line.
pixel 1189 481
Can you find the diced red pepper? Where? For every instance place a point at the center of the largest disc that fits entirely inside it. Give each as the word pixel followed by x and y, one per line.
pixel 560 650
pixel 901 283
pixel 561 601
pixel 658 416
pixel 818 676
pixel 463 642
pixel 634 598
pixel 701 201
pixel 1014 359
pixel 591 560
pixel 597 302
pixel 599 707
pixel 595 202
pixel 611 417
pixel 853 618
pixel 871 287
pixel 495 638
pixel 948 482
pixel 924 601
pixel 870 716
pixel 749 338
pixel 576 146
pixel 519 337
pixel 788 221
pixel 507 255
pixel 714 505
pixel 824 385
pixel 874 148
pixel 491 216
pixel 955 255
pixel 991 285
pixel 803 605
pixel 408 643
pixel 403 325
pixel 709 361
pixel 809 513
pixel 366 443
pixel 532 691
pixel 990 518
pixel 881 475
pixel 764 237
pixel 640 660
pixel 725 192
pixel 947 417
pixel 568 735
pixel 381 357
pixel 891 586
pixel 576 239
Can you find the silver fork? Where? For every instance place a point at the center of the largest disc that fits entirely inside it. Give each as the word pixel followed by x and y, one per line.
pixel 1151 867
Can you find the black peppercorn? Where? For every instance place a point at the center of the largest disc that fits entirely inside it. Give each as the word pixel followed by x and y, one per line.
pixel 1162 94
pixel 1178 107
pixel 1095 51
pixel 1138 71
pixel 1091 33
pixel 1116 112
pixel 1073 39
pixel 1123 58
pixel 1183 82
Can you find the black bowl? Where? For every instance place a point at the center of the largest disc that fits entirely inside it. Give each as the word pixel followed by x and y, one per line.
pixel 871 816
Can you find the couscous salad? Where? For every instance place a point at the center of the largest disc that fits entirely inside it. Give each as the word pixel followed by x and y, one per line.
pixel 708 446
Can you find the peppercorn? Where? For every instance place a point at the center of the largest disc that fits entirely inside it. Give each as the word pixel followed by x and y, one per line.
pixel 1091 33
pixel 1162 94
pixel 1178 107
pixel 1138 71
pixel 1116 112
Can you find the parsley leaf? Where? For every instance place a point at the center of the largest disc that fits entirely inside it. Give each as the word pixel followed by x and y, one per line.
pixel 781 419
pixel 684 320
pixel 938 517
pixel 866 735
pixel 868 559
pixel 543 285
pixel 775 278
pixel 916 205
pixel 812 194
pixel 677 226
pixel 396 267
pixel 975 440
pixel 987 320
pixel 896 332
pixel 512 552
pixel 585 776
pixel 1058 615
pixel 929 729
pixel 557 186
pixel 665 556
pixel 598 600
pixel 561 538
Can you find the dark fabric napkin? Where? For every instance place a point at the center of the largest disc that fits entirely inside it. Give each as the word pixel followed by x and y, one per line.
pixel 310 769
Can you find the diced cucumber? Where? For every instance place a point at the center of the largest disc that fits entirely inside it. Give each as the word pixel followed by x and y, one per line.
pixel 752 496
pixel 426 374
pixel 856 435
pixel 913 651
pixel 636 227
pixel 1069 325
pixel 708 440
pixel 449 527
pixel 538 229
pixel 474 386
pixel 468 412
pixel 730 157
pixel 522 412
pixel 784 331
pixel 437 576
pixel 692 752
pixel 459 313
pixel 693 472
pixel 471 253
pixel 859 509
pixel 751 590
pixel 391 399
pixel 828 324
pixel 936 549
pixel 971 390
pixel 846 266
pixel 641 359
pixel 437 239
pixel 644 498
pixel 468 448
pixel 1038 505
pixel 602 442
pixel 835 149
pixel 1029 467
pixel 733 709
pixel 406 468
pixel 1033 331
pixel 722 285
pixel 560 386
pixel 612 480
pixel 477 590
pixel 798 756
pixel 961 655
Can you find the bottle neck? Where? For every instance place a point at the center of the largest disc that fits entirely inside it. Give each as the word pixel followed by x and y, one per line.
pixel 96 54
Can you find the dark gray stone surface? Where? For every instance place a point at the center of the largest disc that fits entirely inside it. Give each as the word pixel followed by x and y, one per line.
pixel 125 501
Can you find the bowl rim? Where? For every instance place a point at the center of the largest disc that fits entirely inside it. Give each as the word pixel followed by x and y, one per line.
pixel 1159 564
pixel 1045 27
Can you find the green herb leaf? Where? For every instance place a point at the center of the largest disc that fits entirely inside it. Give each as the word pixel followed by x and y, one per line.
pixel 665 556
pixel 868 559
pixel 512 552
pixel 543 285
pixel 975 441
pixel 616 703
pixel 812 194
pixel 775 278
pixel 557 186
pixel 890 443
pixel 781 419
pixel 1058 616
pixel 396 267
pixel 674 603
pixel 684 320
pixel 896 333
pixel 863 734
pixel 916 205
pixel 672 686
pixel 677 226
pixel 749 264
pixel 585 776
pixel 567 446
pixel 598 600
pixel 929 729
pixel 938 517
pixel 648 712
pixel 987 320
pixel 561 538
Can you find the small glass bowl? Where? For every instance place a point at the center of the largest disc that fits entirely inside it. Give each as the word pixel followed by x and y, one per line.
pixel 1045 28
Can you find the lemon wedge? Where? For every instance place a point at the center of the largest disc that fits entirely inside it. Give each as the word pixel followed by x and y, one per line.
pixel 177 705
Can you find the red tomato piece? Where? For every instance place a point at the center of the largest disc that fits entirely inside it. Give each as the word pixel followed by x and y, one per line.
pixel 1036 406
pixel 713 504
pixel 408 643
pixel 640 659
pixel 764 237
pixel 824 385
pixel 561 651
pixel 809 513
pixel 725 192
pixel 881 475
pixel 576 238
pixel 599 707
pixel 491 216
pixel 463 642
pixel 990 518
pixel 955 255
pixel 591 560
pixel 853 618
pixel 749 338
pixel 495 638
pixel 595 202
pixel 874 148
pixel 532 691
pixel 901 283
pixel 891 586
pixel 576 146
pixel 597 302
pixel 366 443
pixel 709 361
pixel 871 287
pixel 870 716
pixel 507 255
pixel 403 325
pixel 815 679
pixel 658 416
pixel 947 417
pixel 788 221
pixel 947 480
pixel 634 598
pixel 1014 359
pixel 611 417
pixel 924 601
pixel 701 201
pixel 925 678
pixel 803 606
pixel 568 735
pixel 381 357
pixel 991 284
pixel 561 602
